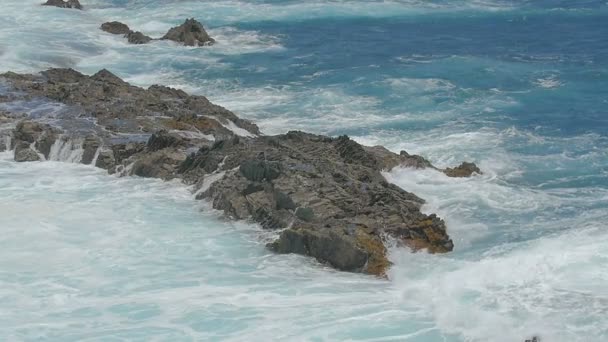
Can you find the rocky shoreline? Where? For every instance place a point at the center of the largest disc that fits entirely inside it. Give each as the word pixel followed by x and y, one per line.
pixel 326 194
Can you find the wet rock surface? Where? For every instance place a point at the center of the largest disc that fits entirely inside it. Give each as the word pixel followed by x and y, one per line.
pixel 64 4
pixel 327 194
pixel 190 33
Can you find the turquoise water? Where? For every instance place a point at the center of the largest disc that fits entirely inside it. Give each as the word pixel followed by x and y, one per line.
pixel 520 87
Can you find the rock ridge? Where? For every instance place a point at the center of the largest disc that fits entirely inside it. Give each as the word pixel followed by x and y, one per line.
pixel 326 195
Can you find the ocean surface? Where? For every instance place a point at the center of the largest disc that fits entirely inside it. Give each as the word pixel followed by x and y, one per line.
pixel 518 86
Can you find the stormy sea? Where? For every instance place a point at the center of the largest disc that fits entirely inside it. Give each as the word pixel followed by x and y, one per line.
pixel 520 87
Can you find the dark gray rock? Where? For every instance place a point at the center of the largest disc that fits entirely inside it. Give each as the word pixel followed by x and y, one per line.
pixel 24 153
pixel 90 146
pixel 190 33
pixel 43 136
pixel 163 139
pixel 415 161
pixel 64 4
pixel 137 38
pixel 463 170
pixel 115 27
pixel 159 164
pixel 331 246
pixel 259 170
pixel 121 108
pixel 283 201
pixel 106 161
pixel 305 214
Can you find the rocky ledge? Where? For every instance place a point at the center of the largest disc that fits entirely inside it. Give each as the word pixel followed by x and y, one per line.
pixel 326 195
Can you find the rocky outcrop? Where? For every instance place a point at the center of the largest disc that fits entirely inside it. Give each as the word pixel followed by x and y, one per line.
pixel 115 27
pixel 463 170
pixel 328 191
pixel 64 4
pixel 37 135
pixel 137 38
pixel 133 37
pixel 190 33
pixel 327 195
pixel 24 153
pixel 119 107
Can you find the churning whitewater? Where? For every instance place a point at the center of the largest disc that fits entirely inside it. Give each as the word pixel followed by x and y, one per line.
pixel 517 86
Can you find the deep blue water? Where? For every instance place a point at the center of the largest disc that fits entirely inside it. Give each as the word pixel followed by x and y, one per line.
pixel 519 87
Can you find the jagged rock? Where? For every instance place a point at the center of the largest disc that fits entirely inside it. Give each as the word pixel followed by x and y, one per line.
pixel 190 33
pixel 333 246
pixel 339 197
pixel 115 27
pixel 305 214
pixel 137 38
pixel 121 108
pixel 463 170
pixel 43 136
pixel 163 139
pixel 28 131
pixel 105 76
pixel 352 152
pixel 106 161
pixel 90 145
pixel 159 164
pixel 24 153
pixel 122 152
pixel 259 170
pixel 415 161
pixel 64 4
pixel 328 193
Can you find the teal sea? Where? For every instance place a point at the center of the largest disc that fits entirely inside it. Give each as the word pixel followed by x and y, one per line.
pixel 518 86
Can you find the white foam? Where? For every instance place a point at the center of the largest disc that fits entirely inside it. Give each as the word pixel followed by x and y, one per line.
pixel 7 142
pixel 549 82
pixel 416 85
pixel 208 180
pixel 230 125
pixel 194 135
pixel 67 150
pixel 96 156
pixel 544 287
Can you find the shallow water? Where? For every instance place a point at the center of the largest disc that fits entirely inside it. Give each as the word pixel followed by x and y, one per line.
pixel 520 87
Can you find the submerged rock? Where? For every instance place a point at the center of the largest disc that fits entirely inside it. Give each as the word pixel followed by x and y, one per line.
pixel 190 33
pixel 64 4
pixel 115 27
pixel 328 194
